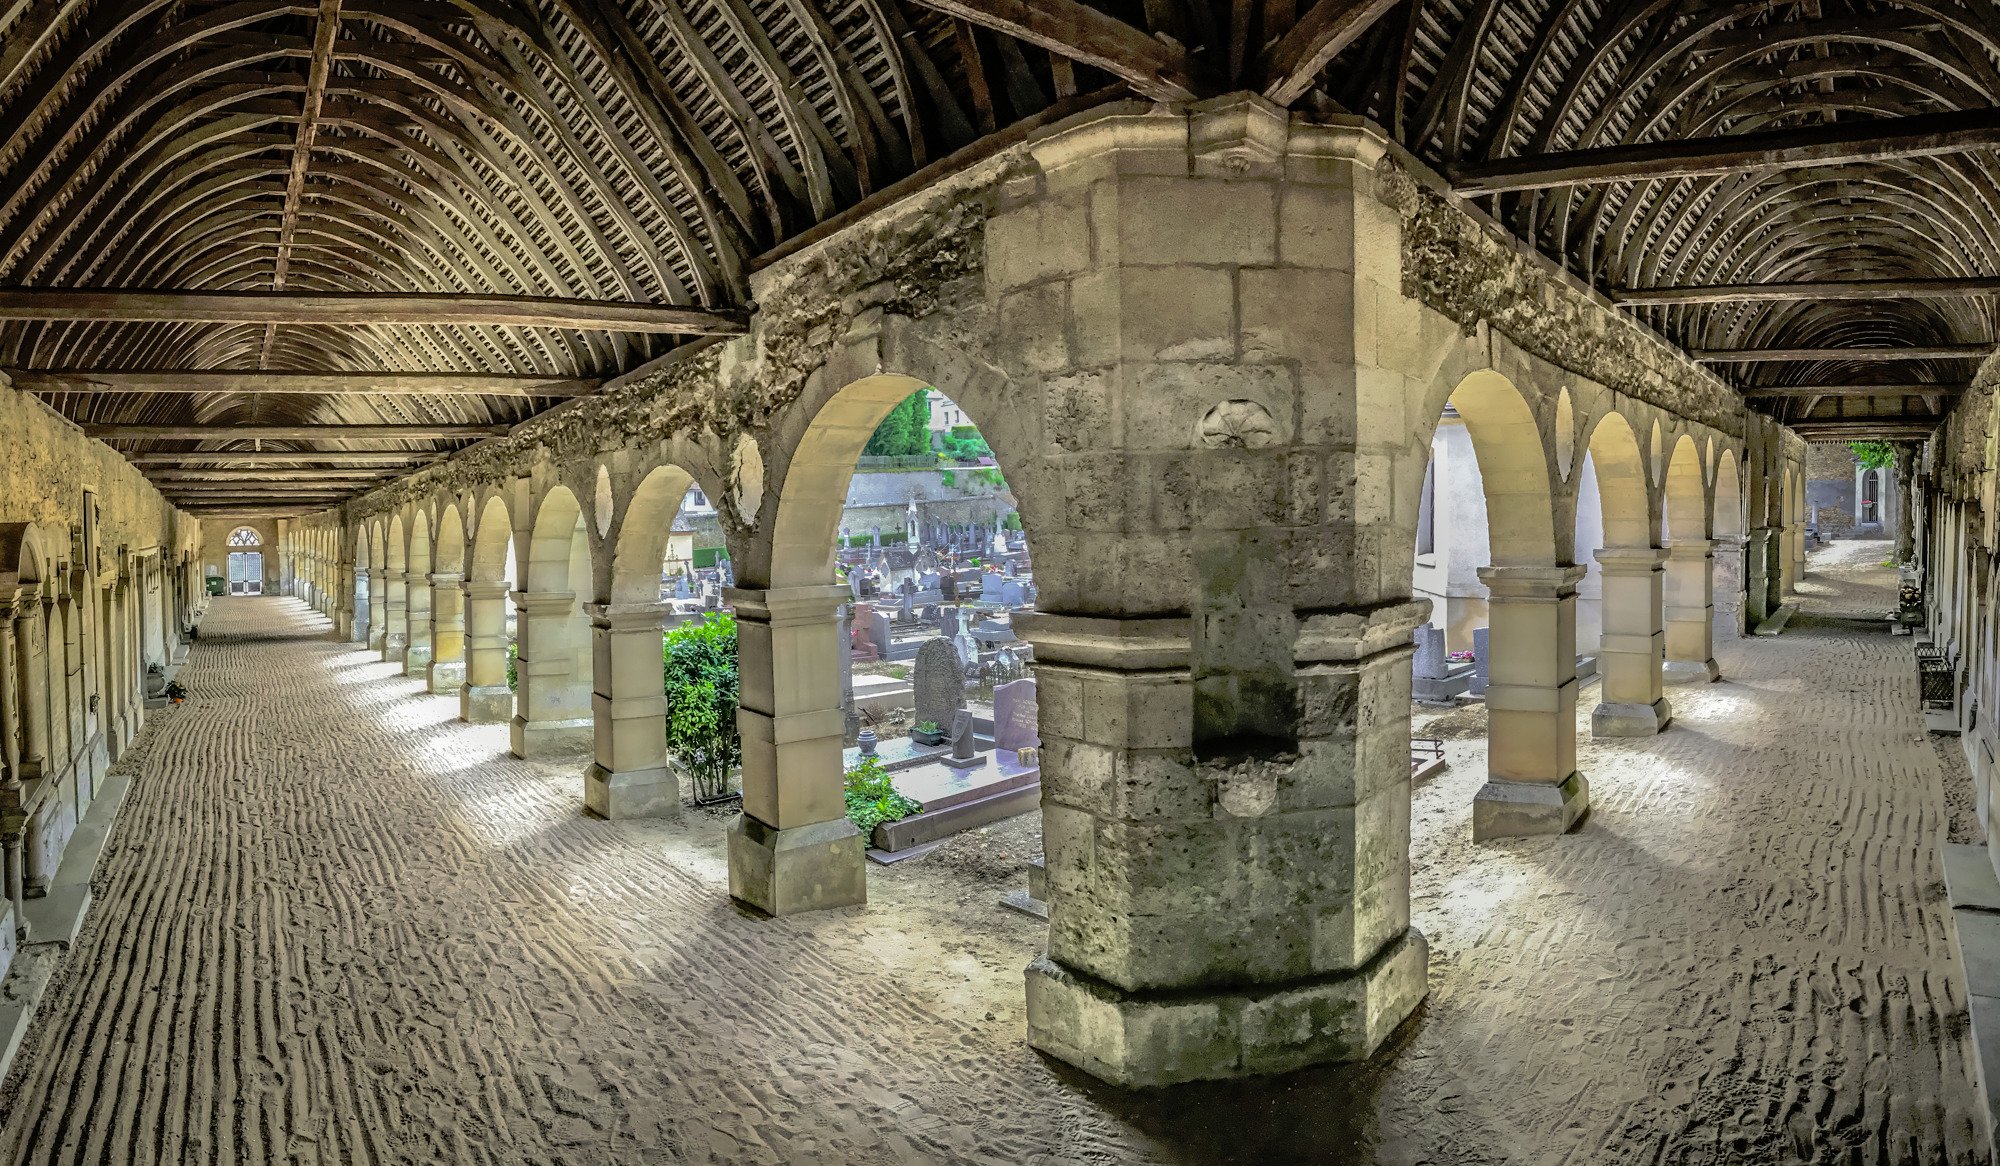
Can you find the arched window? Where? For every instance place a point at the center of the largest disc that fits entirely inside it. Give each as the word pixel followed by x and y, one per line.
pixel 243 536
pixel 246 566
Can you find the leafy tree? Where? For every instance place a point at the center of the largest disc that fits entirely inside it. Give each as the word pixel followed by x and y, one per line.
pixel 905 431
pixel 1874 455
pixel 965 444
pixel 698 661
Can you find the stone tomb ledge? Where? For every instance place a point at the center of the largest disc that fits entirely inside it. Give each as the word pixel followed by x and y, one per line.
pixel 1975 912
pixel 55 919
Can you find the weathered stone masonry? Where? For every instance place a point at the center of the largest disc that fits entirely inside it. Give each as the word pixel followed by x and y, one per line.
pixel 1210 346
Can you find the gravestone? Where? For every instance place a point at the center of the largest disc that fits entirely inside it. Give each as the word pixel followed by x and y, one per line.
pixel 946 618
pixel 903 608
pixel 878 632
pixel 681 588
pixel 1478 687
pixel 1016 718
pixel 1012 594
pixel 854 584
pixel 989 585
pixel 1431 662
pixel 907 586
pixel 964 744
pixel 938 682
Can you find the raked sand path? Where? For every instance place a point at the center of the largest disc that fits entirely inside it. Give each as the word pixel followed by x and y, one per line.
pixel 335 926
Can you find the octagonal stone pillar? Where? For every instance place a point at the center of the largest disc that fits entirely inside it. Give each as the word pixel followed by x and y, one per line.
pixel 1532 783
pixel 378 609
pixel 792 848
pixel 1632 702
pixel 447 633
pixel 484 698
pixel 395 616
pixel 1690 611
pixel 628 775
pixel 551 704
pixel 417 621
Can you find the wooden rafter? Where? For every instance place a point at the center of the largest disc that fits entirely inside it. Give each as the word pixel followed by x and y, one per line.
pixel 1293 63
pixel 1864 290
pixel 330 384
pixel 1838 144
pixel 1818 352
pixel 1906 390
pixel 1088 36
pixel 397 458
pixel 225 431
pixel 321 308
pixel 325 33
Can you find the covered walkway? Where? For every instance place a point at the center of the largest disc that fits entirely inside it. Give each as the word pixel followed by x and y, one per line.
pixel 337 925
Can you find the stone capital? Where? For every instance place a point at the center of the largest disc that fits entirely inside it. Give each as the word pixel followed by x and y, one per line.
pixel 1529 583
pixel 627 617
pixel 787 605
pixel 1630 560
pixel 486 588
pixel 1146 643
pixel 1346 637
pixel 543 604
pixel 444 578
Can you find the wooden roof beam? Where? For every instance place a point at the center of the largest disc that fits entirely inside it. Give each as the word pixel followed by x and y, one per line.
pixel 1152 67
pixel 317 384
pixel 402 460
pixel 1294 62
pixel 160 476
pixel 146 305
pixel 291 432
pixel 1851 390
pixel 1926 352
pixel 1841 143
pixel 1826 289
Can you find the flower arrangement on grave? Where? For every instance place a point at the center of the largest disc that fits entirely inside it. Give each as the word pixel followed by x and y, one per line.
pixel 871 797
pixel 1459 656
pixel 176 692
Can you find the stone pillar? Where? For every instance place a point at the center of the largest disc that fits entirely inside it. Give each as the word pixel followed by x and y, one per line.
pixel 485 698
pixel 1631 701
pixel 417 649
pixel 344 627
pixel 551 713
pixel 447 634
pixel 1728 586
pixel 1795 556
pixel 13 821
pixel 395 616
pixel 1220 911
pixel 1762 574
pixel 629 777
pixel 1690 605
pixel 1532 784
pixel 378 609
pixel 792 848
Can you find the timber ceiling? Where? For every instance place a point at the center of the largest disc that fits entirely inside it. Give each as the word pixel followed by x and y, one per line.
pixel 225 223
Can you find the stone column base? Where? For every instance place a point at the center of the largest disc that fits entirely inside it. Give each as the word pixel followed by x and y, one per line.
pixel 446 676
pixel 394 646
pixel 805 868
pixel 1690 672
pixel 486 704
pixel 645 793
pixel 378 641
pixel 417 660
pixel 1508 809
pixel 1163 1038
pixel 549 738
pixel 1611 719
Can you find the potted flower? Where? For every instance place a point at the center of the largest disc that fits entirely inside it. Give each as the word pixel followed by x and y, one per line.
pixel 927 733
pixel 176 692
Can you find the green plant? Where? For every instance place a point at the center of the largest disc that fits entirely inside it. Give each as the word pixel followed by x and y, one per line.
pixel 949 478
pixel 872 798
pixel 1874 455
pixel 965 443
pixel 698 671
pixel 513 666
pixel 906 430
pixel 927 726
pixel 1013 520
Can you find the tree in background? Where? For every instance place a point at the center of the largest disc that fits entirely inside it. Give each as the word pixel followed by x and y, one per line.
pixel 905 431
pixel 1874 455
pixel 699 665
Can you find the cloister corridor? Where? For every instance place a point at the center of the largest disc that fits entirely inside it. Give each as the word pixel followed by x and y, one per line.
pixel 336 925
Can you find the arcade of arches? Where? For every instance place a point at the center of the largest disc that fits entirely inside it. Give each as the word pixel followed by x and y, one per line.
pixel 1247 456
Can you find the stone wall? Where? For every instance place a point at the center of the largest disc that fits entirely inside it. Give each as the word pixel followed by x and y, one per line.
pixel 49 464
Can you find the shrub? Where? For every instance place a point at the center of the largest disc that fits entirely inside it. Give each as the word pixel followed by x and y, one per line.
pixel 698 668
pixel 872 799
pixel 513 666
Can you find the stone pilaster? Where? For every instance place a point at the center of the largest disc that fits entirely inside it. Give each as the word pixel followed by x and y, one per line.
pixel 628 776
pixel 1763 574
pixel 1690 610
pixel 447 645
pixel 378 609
pixel 551 702
pixel 485 699
pixel 792 848
pixel 1532 783
pixel 1632 702
pixel 346 626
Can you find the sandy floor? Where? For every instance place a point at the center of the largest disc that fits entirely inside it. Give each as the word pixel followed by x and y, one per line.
pixel 336 927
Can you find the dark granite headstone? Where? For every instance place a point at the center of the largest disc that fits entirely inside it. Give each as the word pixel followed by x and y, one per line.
pixel 964 743
pixel 1016 717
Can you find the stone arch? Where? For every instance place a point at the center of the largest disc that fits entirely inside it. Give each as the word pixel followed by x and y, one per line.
pixel 23 559
pixel 1686 499
pixel 558 551
pixel 552 697
pixel 643 533
pixel 448 555
pixel 491 533
pixel 1727 520
pixel 1514 467
pixel 398 558
pixel 1623 485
